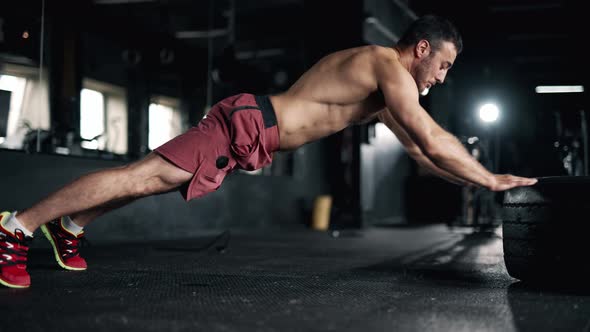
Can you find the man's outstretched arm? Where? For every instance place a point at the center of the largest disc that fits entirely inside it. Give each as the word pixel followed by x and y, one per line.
pixel 439 146
pixel 415 152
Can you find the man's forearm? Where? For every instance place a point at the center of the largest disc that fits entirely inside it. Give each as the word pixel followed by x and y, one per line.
pixel 415 152
pixel 451 156
pixel 423 161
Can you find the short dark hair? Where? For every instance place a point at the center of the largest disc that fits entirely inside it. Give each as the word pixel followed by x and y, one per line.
pixel 433 28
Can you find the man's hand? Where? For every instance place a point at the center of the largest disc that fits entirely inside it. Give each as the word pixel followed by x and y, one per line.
pixel 506 181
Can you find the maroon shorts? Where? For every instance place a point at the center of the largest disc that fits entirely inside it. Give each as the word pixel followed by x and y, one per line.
pixel 239 132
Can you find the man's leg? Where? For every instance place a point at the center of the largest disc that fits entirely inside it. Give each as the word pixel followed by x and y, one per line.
pixel 96 192
pixel 83 218
pixel 87 197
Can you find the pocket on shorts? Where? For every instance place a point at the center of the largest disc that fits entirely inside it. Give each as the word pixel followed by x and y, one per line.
pixel 209 178
pixel 215 172
pixel 212 176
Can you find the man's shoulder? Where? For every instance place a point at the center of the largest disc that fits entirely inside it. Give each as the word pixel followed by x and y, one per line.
pixel 376 50
pixel 383 52
pixel 388 67
pixel 386 59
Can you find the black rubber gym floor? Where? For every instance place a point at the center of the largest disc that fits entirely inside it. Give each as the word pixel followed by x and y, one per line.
pixel 384 279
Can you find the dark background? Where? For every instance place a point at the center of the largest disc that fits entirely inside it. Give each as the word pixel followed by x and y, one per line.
pixel 203 51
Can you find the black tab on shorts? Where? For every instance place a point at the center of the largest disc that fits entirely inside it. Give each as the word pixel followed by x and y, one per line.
pixel 221 162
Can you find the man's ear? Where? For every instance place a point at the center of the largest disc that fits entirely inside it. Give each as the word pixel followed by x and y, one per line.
pixel 422 49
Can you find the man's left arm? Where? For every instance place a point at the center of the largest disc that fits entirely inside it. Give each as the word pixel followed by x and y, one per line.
pixel 415 152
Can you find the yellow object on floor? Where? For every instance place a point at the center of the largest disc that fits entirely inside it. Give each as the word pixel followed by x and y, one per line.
pixel 321 213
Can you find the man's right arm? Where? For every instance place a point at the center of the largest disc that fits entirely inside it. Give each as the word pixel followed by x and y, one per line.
pixel 441 147
pixel 415 152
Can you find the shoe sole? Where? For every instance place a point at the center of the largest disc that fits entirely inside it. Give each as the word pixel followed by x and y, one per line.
pixel 56 253
pixel 7 284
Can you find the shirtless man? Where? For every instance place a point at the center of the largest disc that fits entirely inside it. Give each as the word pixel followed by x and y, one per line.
pixel 242 132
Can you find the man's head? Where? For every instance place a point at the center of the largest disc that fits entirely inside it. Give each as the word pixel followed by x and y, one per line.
pixel 435 30
pixel 434 43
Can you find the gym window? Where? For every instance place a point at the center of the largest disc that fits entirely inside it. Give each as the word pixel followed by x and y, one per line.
pixel 165 121
pixel 12 89
pixel 24 105
pixel 103 117
pixel 92 119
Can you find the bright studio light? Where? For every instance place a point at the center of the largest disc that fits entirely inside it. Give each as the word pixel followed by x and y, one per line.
pixel 489 113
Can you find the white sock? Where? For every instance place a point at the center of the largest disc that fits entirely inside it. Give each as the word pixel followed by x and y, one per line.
pixel 71 226
pixel 12 224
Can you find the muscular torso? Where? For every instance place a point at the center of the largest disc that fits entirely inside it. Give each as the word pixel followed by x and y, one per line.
pixel 338 91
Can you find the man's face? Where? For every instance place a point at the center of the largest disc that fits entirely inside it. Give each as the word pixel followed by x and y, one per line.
pixel 432 67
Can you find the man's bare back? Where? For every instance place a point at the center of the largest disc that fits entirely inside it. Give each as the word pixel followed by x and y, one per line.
pixel 340 90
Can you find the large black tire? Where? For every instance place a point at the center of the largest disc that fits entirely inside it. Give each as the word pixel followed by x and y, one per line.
pixel 546 230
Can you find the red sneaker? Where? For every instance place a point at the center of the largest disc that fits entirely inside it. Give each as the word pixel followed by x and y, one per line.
pixel 65 245
pixel 13 257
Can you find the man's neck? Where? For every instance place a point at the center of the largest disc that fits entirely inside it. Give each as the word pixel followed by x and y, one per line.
pixel 404 55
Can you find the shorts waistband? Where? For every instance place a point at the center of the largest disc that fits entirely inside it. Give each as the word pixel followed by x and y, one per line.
pixel 268 111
